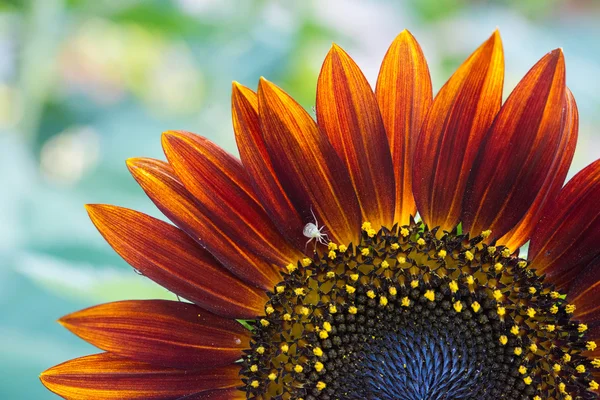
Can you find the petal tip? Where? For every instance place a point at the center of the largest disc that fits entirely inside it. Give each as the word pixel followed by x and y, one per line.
pixel 558 53
pixel 98 213
pixel 66 322
pixel 44 375
pixel 240 91
pixel 168 134
pixel 336 50
pixel 92 208
pixel 169 137
pixel 554 60
pixel 265 85
pixel 495 38
pixel 405 35
pixel 133 163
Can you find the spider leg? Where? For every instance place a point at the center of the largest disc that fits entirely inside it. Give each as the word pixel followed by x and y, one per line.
pixel 322 239
pixel 307 242
pixel 315 219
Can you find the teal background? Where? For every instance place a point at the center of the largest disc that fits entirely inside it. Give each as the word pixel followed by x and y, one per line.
pixel 86 84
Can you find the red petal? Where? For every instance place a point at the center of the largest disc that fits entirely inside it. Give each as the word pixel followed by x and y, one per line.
pixel 348 114
pixel 404 95
pixel 171 258
pixel 520 234
pixel 158 180
pixel 160 332
pixel 452 132
pixel 221 394
pixel 307 165
pixel 568 236
pixel 518 153
pixel 224 194
pixel 107 376
pixel 257 161
pixel 585 293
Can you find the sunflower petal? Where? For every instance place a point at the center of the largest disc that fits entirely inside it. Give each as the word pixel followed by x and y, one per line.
pixel 307 165
pixel 107 376
pixel 568 236
pixel 224 194
pixel 161 332
pixel 348 114
pixel 404 95
pixel 160 183
pixel 172 259
pixel 257 161
pixel 585 293
pixel 452 132
pixel 220 394
pixel 518 152
pixel 520 234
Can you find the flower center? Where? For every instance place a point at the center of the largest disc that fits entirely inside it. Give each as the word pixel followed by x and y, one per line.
pixel 412 314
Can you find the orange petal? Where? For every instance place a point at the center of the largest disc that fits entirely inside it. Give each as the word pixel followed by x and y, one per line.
pixel 161 332
pixel 585 293
pixel 519 151
pixel 307 165
pixel 109 377
pixel 461 113
pixel 567 238
pixel 404 95
pixel 158 180
pixel 223 193
pixel 171 258
pixel 257 161
pixel 348 114
pixel 520 234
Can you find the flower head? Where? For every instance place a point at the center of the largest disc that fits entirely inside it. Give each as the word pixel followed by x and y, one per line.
pixel 307 274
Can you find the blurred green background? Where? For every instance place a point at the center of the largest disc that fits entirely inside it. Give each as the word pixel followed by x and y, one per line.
pixel 86 84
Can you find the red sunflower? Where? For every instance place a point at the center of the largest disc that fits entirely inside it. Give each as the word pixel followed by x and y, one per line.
pixel 381 305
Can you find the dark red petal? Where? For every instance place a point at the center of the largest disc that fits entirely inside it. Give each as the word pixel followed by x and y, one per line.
pixel 109 377
pixel 517 154
pixel 307 165
pixel 585 293
pixel 161 332
pixel 404 95
pixel 348 114
pixel 160 183
pixel 257 161
pixel 568 236
pixel 220 185
pixel 220 394
pixel 461 113
pixel 172 259
pixel 521 233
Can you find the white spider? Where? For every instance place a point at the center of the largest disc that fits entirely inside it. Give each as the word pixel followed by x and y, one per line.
pixel 313 231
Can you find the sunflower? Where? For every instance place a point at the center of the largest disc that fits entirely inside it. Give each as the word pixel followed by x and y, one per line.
pixel 308 275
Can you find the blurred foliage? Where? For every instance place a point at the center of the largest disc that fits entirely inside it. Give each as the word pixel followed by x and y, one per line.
pixel 85 84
